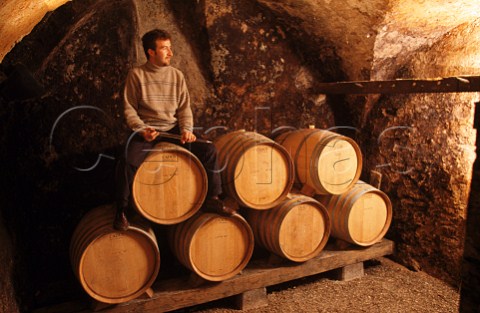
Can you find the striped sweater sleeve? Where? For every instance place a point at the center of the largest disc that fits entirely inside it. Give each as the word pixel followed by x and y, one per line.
pixel 184 111
pixel 132 97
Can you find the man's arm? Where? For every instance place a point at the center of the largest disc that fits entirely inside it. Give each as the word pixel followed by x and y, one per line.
pixel 132 101
pixel 184 113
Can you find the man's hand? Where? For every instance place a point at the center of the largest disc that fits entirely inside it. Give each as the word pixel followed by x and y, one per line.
pixel 188 136
pixel 149 134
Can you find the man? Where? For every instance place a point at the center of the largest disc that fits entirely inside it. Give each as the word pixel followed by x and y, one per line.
pixel 156 99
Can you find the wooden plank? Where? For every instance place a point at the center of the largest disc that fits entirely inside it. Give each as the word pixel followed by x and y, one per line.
pixel 180 293
pixel 438 85
pixel 97 306
pixel 175 294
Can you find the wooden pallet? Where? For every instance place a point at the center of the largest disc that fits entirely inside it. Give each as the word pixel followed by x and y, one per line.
pixel 249 287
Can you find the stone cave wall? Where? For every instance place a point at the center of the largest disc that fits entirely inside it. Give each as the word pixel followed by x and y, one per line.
pixel 469 301
pixel 81 53
pixel 51 142
pixel 8 301
pixel 424 145
pixel 264 78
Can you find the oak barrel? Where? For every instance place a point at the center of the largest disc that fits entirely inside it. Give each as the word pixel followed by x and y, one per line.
pixel 170 185
pixel 297 229
pixel 214 246
pixel 328 162
pixel 113 266
pixel 361 215
pixel 256 171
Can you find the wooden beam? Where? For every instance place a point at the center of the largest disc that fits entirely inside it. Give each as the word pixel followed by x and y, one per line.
pixel 252 299
pixel 437 85
pixel 177 293
pixel 350 272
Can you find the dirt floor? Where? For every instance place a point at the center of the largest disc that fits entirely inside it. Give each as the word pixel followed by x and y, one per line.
pixel 385 287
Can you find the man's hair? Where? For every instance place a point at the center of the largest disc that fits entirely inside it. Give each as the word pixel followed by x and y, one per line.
pixel 150 38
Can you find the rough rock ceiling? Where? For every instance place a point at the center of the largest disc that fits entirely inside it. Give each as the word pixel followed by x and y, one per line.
pixel 364 30
pixel 410 24
pixel 19 17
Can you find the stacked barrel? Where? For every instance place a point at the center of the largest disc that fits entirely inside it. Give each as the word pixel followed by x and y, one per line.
pixel 170 185
pixel 294 190
pixel 329 165
pixel 112 266
pixel 259 173
pixel 169 188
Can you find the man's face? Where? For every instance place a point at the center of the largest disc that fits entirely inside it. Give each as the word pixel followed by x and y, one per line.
pixel 162 54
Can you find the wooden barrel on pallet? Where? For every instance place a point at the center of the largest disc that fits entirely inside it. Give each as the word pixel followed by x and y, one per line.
pixel 256 171
pixel 113 266
pixel 213 246
pixel 170 185
pixel 297 229
pixel 327 162
pixel 361 215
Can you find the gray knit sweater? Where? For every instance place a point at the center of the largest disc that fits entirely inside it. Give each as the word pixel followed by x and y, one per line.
pixel 157 96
